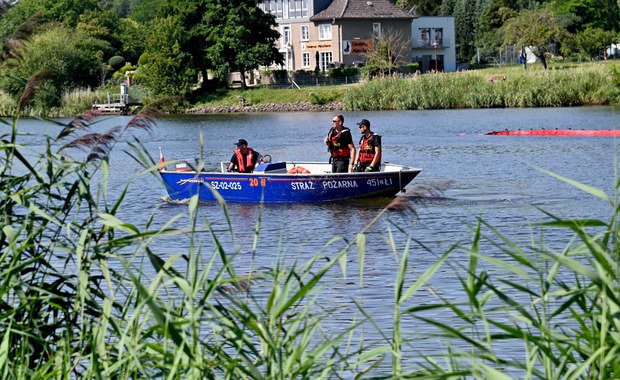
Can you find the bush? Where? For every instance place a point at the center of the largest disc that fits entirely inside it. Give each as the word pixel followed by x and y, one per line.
pixel 116 62
pixel 144 59
pixel 344 72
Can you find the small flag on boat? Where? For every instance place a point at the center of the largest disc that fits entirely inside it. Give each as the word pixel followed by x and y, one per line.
pixel 161 159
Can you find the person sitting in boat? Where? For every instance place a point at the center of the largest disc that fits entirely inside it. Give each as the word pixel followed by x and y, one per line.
pixel 369 154
pixel 340 145
pixel 244 158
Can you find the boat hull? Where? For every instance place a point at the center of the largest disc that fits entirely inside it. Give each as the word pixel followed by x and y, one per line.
pixel 287 188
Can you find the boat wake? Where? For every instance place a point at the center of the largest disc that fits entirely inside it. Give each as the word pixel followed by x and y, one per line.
pixel 429 191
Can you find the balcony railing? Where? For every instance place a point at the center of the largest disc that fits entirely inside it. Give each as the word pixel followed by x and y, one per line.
pixel 441 43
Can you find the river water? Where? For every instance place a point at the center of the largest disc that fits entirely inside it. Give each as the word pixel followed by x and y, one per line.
pixel 466 175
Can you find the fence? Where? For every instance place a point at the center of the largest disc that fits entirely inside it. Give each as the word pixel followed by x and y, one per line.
pixel 313 81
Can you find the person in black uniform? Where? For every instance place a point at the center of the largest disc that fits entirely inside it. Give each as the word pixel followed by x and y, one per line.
pixel 340 144
pixel 244 158
pixel 369 154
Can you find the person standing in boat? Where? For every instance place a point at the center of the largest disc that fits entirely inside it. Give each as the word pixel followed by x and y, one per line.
pixel 369 154
pixel 340 144
pixel 244 158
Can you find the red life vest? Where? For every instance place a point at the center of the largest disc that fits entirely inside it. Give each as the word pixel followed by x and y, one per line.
pixel 248 165
pixel 367 149
pixel 337 150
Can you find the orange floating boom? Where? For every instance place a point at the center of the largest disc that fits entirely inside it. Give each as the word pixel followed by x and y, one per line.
pixel 557 132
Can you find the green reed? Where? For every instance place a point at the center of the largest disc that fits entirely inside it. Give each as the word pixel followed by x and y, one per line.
pixel 85 294
pixel 513 87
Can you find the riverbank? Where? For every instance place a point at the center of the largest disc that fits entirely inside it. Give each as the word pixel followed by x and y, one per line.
pixel 563 85
pixel 268 107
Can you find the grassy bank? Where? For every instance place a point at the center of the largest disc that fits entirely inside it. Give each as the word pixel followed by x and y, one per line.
pixel 564 86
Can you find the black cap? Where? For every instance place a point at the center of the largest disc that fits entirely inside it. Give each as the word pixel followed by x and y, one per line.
pixel 241 142
pixel 364 122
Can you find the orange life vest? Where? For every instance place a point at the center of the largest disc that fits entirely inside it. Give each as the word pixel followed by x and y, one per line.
pixel 248 165
pixel 337 150
pixel 367 149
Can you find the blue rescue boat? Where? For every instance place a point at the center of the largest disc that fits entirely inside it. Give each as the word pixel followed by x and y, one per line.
pixel 285 182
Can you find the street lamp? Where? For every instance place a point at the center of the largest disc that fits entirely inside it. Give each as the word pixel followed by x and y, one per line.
pixel 436 45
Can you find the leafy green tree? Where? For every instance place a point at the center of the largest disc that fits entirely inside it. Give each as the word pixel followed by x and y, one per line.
pixel 133 36
pixel 169 70
pixel 16 15
pixel 66 60
pixel 465 15
pixel 536 29
pixel 143 11
pixel 592 42
pixel 421 7
pixel 489 37
pixel 68 11
pixel 602 14
pixel 222 36
pixel 239 36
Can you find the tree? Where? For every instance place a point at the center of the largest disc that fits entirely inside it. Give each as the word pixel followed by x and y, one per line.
pixel 420 7
pixel 68 59
pixel 465 15
pixel 169 70
pixel 602 14
pixel 391 51
pixel 239 37
pixel 535 29
pixel 592 42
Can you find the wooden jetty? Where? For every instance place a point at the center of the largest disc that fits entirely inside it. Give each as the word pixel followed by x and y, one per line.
pixel 117 104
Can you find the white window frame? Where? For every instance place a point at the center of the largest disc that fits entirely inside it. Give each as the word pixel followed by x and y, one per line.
pixel 305 59
pixel 286 35
pixel 326 57
pixel 325 32
pixel 304 32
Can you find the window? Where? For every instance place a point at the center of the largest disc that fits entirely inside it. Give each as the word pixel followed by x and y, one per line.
pixel 325 32
pixel 326 59
pixel 439 36
pixel 285 4
pixel 286 36
pixel 376 30
pixel 278 9
pixel 291 8
pixel 298 9
pixel 305 59
pixel 425 35
pixel 305 33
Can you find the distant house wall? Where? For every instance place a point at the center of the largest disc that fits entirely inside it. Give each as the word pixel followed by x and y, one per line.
pixel 357 37
pixel 433 43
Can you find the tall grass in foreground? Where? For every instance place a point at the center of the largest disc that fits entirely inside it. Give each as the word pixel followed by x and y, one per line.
pixel 84 294
pixel 75 299
pixel 582 85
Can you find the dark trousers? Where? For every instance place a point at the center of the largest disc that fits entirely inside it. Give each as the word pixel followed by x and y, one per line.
pixel 340 166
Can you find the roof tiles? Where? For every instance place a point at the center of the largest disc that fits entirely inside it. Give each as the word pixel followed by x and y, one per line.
pixel 361 9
